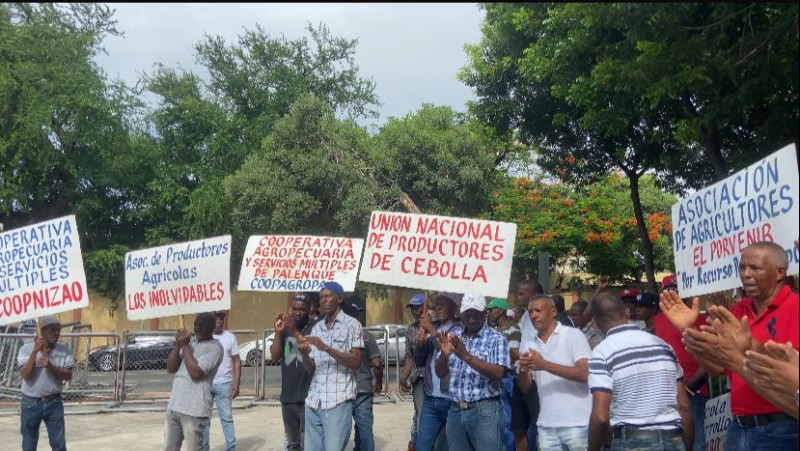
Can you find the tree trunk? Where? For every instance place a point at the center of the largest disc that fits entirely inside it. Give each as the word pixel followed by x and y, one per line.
pixel 708 138
pixel 644 239
pixel 409 204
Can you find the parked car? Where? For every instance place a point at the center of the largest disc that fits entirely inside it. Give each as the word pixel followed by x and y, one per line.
pixel 247 352
pixel 144 353
pixel 395 331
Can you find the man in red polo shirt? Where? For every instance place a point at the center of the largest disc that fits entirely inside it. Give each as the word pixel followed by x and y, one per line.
pixel 694 376
pixel 769 312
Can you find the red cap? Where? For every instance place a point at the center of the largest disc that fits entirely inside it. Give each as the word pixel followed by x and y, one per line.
pixel 669 281
pixel 629 293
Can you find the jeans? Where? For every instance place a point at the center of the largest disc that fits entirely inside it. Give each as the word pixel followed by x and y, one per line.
pixel 698 407
pixel 778 435
pixel 565 438
pixel 477 429
pixel 328 430
pixel 508 436
pixel 293 425
pixel 32 412
pixel 222 398
pixel 179 427
pixel 432 422
pixel 418 396
pixel 644 444
pixel 362 416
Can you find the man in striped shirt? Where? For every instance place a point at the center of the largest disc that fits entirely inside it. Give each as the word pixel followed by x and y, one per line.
pixel 332 354
pixel 638 397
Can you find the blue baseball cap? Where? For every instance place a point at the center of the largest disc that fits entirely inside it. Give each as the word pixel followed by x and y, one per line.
pixel 333 286
pixel 417 299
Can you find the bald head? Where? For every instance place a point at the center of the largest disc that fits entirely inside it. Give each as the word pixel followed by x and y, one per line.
pixel 774 253
pixel 608 310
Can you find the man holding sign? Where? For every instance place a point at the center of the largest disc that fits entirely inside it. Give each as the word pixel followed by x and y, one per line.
pixel 194 364
pixel 44 366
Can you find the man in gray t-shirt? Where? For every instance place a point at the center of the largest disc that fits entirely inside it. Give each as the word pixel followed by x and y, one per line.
pixel 194 365
pixel 44 365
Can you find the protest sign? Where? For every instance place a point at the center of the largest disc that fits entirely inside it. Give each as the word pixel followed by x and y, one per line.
pixel 718 420
pixel 299 262
pixel 41 270
pixel 181 278
pixel 439 253
pixel 712 226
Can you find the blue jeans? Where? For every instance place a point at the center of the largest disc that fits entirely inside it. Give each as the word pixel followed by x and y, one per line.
pixel 32 412
pixel 433 420
pixel 328 430
pixel 222 398
pixel 774 436
pixel 642 444
pixel 508 436
pixel 362 415
pixel 418 396
pixel 564 438
pixel 479 428
pixel 697 404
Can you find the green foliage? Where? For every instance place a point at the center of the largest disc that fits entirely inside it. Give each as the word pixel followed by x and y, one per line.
pixel 591 228
pixel 105 272
pixel 435 158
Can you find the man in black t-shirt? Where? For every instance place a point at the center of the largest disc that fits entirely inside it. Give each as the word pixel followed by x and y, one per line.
pixel 295 380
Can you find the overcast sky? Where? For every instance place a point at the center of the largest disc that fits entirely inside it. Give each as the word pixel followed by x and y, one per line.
pixel 412 51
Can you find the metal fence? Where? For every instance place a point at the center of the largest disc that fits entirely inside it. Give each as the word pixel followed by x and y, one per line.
pixel 88 391
pixel 146 384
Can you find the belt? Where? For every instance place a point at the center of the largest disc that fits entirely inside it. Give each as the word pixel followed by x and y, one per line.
pixel 461 405
pixel 749 421
pixel 625 433
pixel 47 398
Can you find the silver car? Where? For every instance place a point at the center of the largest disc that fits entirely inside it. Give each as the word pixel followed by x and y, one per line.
pixel 397 342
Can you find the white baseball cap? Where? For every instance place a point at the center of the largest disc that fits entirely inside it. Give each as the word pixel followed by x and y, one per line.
pixel 48 320
pixel 474 301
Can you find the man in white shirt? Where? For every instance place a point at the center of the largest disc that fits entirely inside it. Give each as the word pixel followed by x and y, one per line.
pixel 225 386
pixel 557 358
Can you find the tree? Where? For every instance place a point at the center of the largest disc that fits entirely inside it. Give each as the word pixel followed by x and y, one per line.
pixel 433 157
pixel 590 228
pixel 578 84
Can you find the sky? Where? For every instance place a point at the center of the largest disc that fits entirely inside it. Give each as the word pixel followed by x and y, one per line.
pixel 413 51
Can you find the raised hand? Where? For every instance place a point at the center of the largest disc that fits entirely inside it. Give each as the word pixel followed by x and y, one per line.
pixel 724 324
pixel 777 369
pixel 303 345
pixel 280 323
pixel 444 343
pixel 677 312
pixel 182 337
pixel 458 346
pixel 316 342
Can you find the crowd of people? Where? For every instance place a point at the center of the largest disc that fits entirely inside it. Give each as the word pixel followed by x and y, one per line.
pixel 621 371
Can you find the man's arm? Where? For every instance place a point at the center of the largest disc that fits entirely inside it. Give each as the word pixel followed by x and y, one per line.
pixel 600 421
pixel 236 362
pixel 534 361
pixel 305 351
pixel 174 360
pixel 442 368
pixel 26 370
pixel 351 359
pixel 276 348
pixel 685 411
pixel 194 370
pixel 377 371
pixel 490 370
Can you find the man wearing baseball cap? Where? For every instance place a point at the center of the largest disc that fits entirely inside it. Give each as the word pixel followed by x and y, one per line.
pixel 628 296
pixel 476 357
pixel 44 366
pixel 332 354
pixel 411 379
pixel 646 309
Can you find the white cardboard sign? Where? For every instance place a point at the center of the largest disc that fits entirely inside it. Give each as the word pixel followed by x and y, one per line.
pixel 718 420
pixel 41 270
pixel 439 253
pixel 299 262
pixel 712 226
pixel 177 279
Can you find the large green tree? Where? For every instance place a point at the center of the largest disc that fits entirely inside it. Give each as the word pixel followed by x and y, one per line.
pixel 591 87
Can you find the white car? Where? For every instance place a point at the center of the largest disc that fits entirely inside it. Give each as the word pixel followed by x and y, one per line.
pixel 247 352
pixel 395 330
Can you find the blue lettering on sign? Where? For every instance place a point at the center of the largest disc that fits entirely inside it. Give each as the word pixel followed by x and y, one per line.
pixel 35 255
pixel 286 285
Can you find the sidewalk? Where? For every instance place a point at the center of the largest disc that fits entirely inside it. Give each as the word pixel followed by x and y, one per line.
pixel 257 428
